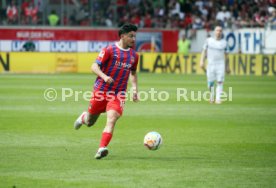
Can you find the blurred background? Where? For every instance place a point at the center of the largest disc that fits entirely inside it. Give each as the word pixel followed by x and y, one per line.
pixel 179 14
pixel 165 26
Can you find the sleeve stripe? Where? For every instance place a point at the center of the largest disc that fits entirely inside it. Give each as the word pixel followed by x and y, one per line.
pixel 98 62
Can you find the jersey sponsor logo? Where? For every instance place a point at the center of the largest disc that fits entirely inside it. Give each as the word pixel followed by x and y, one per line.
pixel 122 65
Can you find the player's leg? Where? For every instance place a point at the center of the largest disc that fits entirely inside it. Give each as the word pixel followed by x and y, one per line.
pixel 220 80
pixel 219 90
pixel 86 119
pixel 211 82
pixel 96 107
pixel 112 117
pixel 114 110
pixel 91 119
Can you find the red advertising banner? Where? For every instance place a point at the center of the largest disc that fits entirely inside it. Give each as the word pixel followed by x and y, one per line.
pixel 58 34
pixel 165 40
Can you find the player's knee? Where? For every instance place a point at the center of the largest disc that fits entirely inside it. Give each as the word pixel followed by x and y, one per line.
pixel 112 118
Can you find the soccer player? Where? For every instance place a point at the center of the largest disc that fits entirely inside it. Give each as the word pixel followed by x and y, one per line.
pixel 115 64
pixel 215 48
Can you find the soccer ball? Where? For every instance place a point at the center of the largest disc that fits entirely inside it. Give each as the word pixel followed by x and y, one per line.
pixel 153 140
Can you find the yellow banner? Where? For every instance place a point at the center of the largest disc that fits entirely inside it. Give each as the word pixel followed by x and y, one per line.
pixel 37 62
pixel 66 62
pixel 34 62
pixel 169 63
pixel 240 64
pixel 28 62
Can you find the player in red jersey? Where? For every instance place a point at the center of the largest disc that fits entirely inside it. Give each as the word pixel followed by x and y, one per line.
pixel 115 64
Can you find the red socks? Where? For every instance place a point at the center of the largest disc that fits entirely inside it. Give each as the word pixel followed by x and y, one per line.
pixel 106 137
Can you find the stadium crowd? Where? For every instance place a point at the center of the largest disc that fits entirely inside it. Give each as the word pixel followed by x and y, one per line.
pixel 182 14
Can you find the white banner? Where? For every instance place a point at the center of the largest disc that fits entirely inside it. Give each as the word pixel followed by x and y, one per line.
pixel 247 41
pixel 54 46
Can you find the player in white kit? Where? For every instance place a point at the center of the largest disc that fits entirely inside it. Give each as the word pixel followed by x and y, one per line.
pixel 215 48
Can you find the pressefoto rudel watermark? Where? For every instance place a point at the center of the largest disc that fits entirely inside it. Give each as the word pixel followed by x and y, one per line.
pixel 154 95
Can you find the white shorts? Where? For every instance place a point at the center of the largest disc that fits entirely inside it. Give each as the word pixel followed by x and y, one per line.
pixel 215 72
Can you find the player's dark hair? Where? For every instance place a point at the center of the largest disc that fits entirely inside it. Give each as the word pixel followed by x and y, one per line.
pixel 218 24
pixel 126 28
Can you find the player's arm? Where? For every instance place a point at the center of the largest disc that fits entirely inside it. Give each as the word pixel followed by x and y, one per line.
pixel 203 55
pixel 96 67
pixel 202 59
pixel 133 79
pixel 227 68
pixel 97 70
pixel 227 50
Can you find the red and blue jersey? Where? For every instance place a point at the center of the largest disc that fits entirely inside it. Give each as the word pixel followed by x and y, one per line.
pixel 117 63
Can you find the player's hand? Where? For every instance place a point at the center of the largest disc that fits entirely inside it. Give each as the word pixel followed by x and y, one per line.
pixel 135 97
pixel 108 80
pixel 202 66
pixel 135 94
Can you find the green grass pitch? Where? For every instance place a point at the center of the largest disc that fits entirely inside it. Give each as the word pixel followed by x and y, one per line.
pixel 204 145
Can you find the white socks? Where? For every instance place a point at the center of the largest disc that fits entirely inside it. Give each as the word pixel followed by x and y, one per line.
pixel 212 94
pixel 219 90
pixel 84 118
